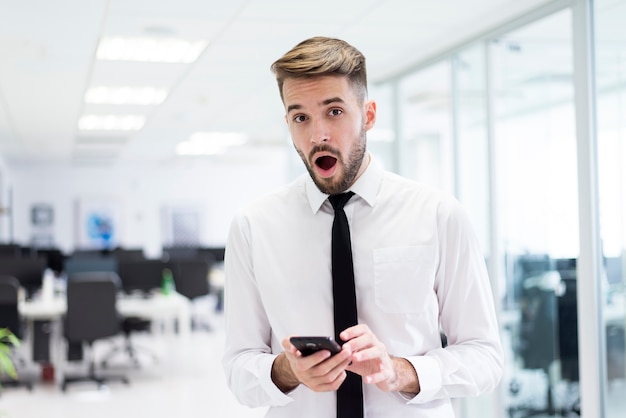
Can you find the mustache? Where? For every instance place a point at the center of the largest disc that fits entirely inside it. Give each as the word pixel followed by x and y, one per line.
pixel 323 148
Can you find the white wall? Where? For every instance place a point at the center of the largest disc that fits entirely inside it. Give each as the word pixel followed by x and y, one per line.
pixel 5 178
pixel 142 191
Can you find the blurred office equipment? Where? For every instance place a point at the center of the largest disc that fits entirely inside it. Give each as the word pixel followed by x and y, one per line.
pixel 27 270
pixel 191 278
pixel 567 306
pixel 141 276
pixel 91 315
pixel 10 250
pixel 548 340
pixel 180 253
pixel 130 325
pixel 521 267
pixel 94 263
pixel 217 253
pixel 121 253
pixel 54 258
pixel 11 320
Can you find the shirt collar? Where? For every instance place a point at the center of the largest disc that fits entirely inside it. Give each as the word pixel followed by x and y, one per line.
pixel 365 187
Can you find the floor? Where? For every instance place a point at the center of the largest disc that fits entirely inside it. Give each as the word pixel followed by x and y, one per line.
pixel 187 381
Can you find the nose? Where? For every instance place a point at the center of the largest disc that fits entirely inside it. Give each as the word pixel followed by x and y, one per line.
pixel 319 132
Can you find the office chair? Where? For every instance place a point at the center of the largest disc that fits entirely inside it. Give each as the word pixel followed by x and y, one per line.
pixel 27 270
pixel 10 319
pixel 191 278
pixel 10 250
pixel 130 325
pixel 91 316
pixel 141 276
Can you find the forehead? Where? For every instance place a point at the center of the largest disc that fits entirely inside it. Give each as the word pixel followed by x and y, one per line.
pixel 311 91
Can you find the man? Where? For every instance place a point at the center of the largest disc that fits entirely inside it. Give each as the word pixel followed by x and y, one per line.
pixel 418 269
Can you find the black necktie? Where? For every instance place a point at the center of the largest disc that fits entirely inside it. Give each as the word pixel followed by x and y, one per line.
pixel 350 393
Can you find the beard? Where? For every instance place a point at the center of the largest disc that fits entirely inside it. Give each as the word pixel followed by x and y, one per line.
pixel 351 166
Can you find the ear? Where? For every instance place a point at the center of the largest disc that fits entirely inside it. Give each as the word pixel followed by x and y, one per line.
pixel 370 114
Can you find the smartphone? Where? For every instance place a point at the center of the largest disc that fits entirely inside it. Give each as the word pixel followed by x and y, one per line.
pixel 311 344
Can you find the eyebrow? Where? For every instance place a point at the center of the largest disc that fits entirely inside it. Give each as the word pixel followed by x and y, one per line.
pixel 323 103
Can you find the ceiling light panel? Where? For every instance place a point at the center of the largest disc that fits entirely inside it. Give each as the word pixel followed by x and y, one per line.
pixel 144 49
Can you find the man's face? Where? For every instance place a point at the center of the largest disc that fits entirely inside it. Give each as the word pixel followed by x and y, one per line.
pixel 327 122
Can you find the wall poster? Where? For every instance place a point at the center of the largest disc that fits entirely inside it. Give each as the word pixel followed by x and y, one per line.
pixel 98 223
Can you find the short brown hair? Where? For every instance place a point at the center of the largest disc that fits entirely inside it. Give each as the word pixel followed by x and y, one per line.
pixel 320 56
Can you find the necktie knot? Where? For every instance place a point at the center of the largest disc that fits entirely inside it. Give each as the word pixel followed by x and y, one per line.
pixel 339 200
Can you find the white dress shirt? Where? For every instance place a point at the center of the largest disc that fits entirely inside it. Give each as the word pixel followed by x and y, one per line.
pixel 418 270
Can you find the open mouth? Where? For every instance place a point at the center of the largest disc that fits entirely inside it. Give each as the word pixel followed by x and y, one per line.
pixel 326 162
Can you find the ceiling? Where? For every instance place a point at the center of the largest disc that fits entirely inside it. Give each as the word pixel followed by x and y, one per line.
pixel 48 62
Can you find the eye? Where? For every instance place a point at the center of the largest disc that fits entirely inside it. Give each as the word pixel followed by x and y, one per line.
pixel 299 118
pixel 335 112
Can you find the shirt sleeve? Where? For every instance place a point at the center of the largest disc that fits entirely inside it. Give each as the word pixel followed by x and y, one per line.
pixel 248 357
pixel 471 364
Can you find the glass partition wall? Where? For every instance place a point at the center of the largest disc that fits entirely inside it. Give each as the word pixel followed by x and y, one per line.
pixel 610 45
pixel 497 122
pixel 425 126
pixel 536 188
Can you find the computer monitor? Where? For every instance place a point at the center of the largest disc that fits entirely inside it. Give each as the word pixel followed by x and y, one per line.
pixel 128 253
pixel 54 256
pixel 180 253
pixel 27 270
pixel 83 264
pixel 10 250
pixel 216 252
pixel 141 276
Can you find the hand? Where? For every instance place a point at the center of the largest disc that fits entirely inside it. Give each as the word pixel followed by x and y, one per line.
pixel 318 371
pixel 371 360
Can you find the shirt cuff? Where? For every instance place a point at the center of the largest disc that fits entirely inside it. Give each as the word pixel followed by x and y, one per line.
pixel 429 375
pixel 277 397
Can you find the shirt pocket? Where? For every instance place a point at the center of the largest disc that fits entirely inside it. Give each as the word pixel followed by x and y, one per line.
pixel 403 278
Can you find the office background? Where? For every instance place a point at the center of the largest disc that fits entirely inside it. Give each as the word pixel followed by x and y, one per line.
pixel 521 114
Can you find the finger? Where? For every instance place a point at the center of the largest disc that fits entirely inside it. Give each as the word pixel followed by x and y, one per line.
pixel 287 346
pixel 308 364
pixel 326 385
pixel 327 375
pixel 369 353
pixel 329 372
pixel 354 332
pixel 375 378
pixel 358 343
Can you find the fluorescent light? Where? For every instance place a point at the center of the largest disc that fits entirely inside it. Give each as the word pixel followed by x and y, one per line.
pixel 210 143
pixel 125 95
pixel 111 122
pixel 167 50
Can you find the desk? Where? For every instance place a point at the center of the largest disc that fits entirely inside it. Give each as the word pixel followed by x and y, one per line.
pixel 172 310
pixel 174 307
